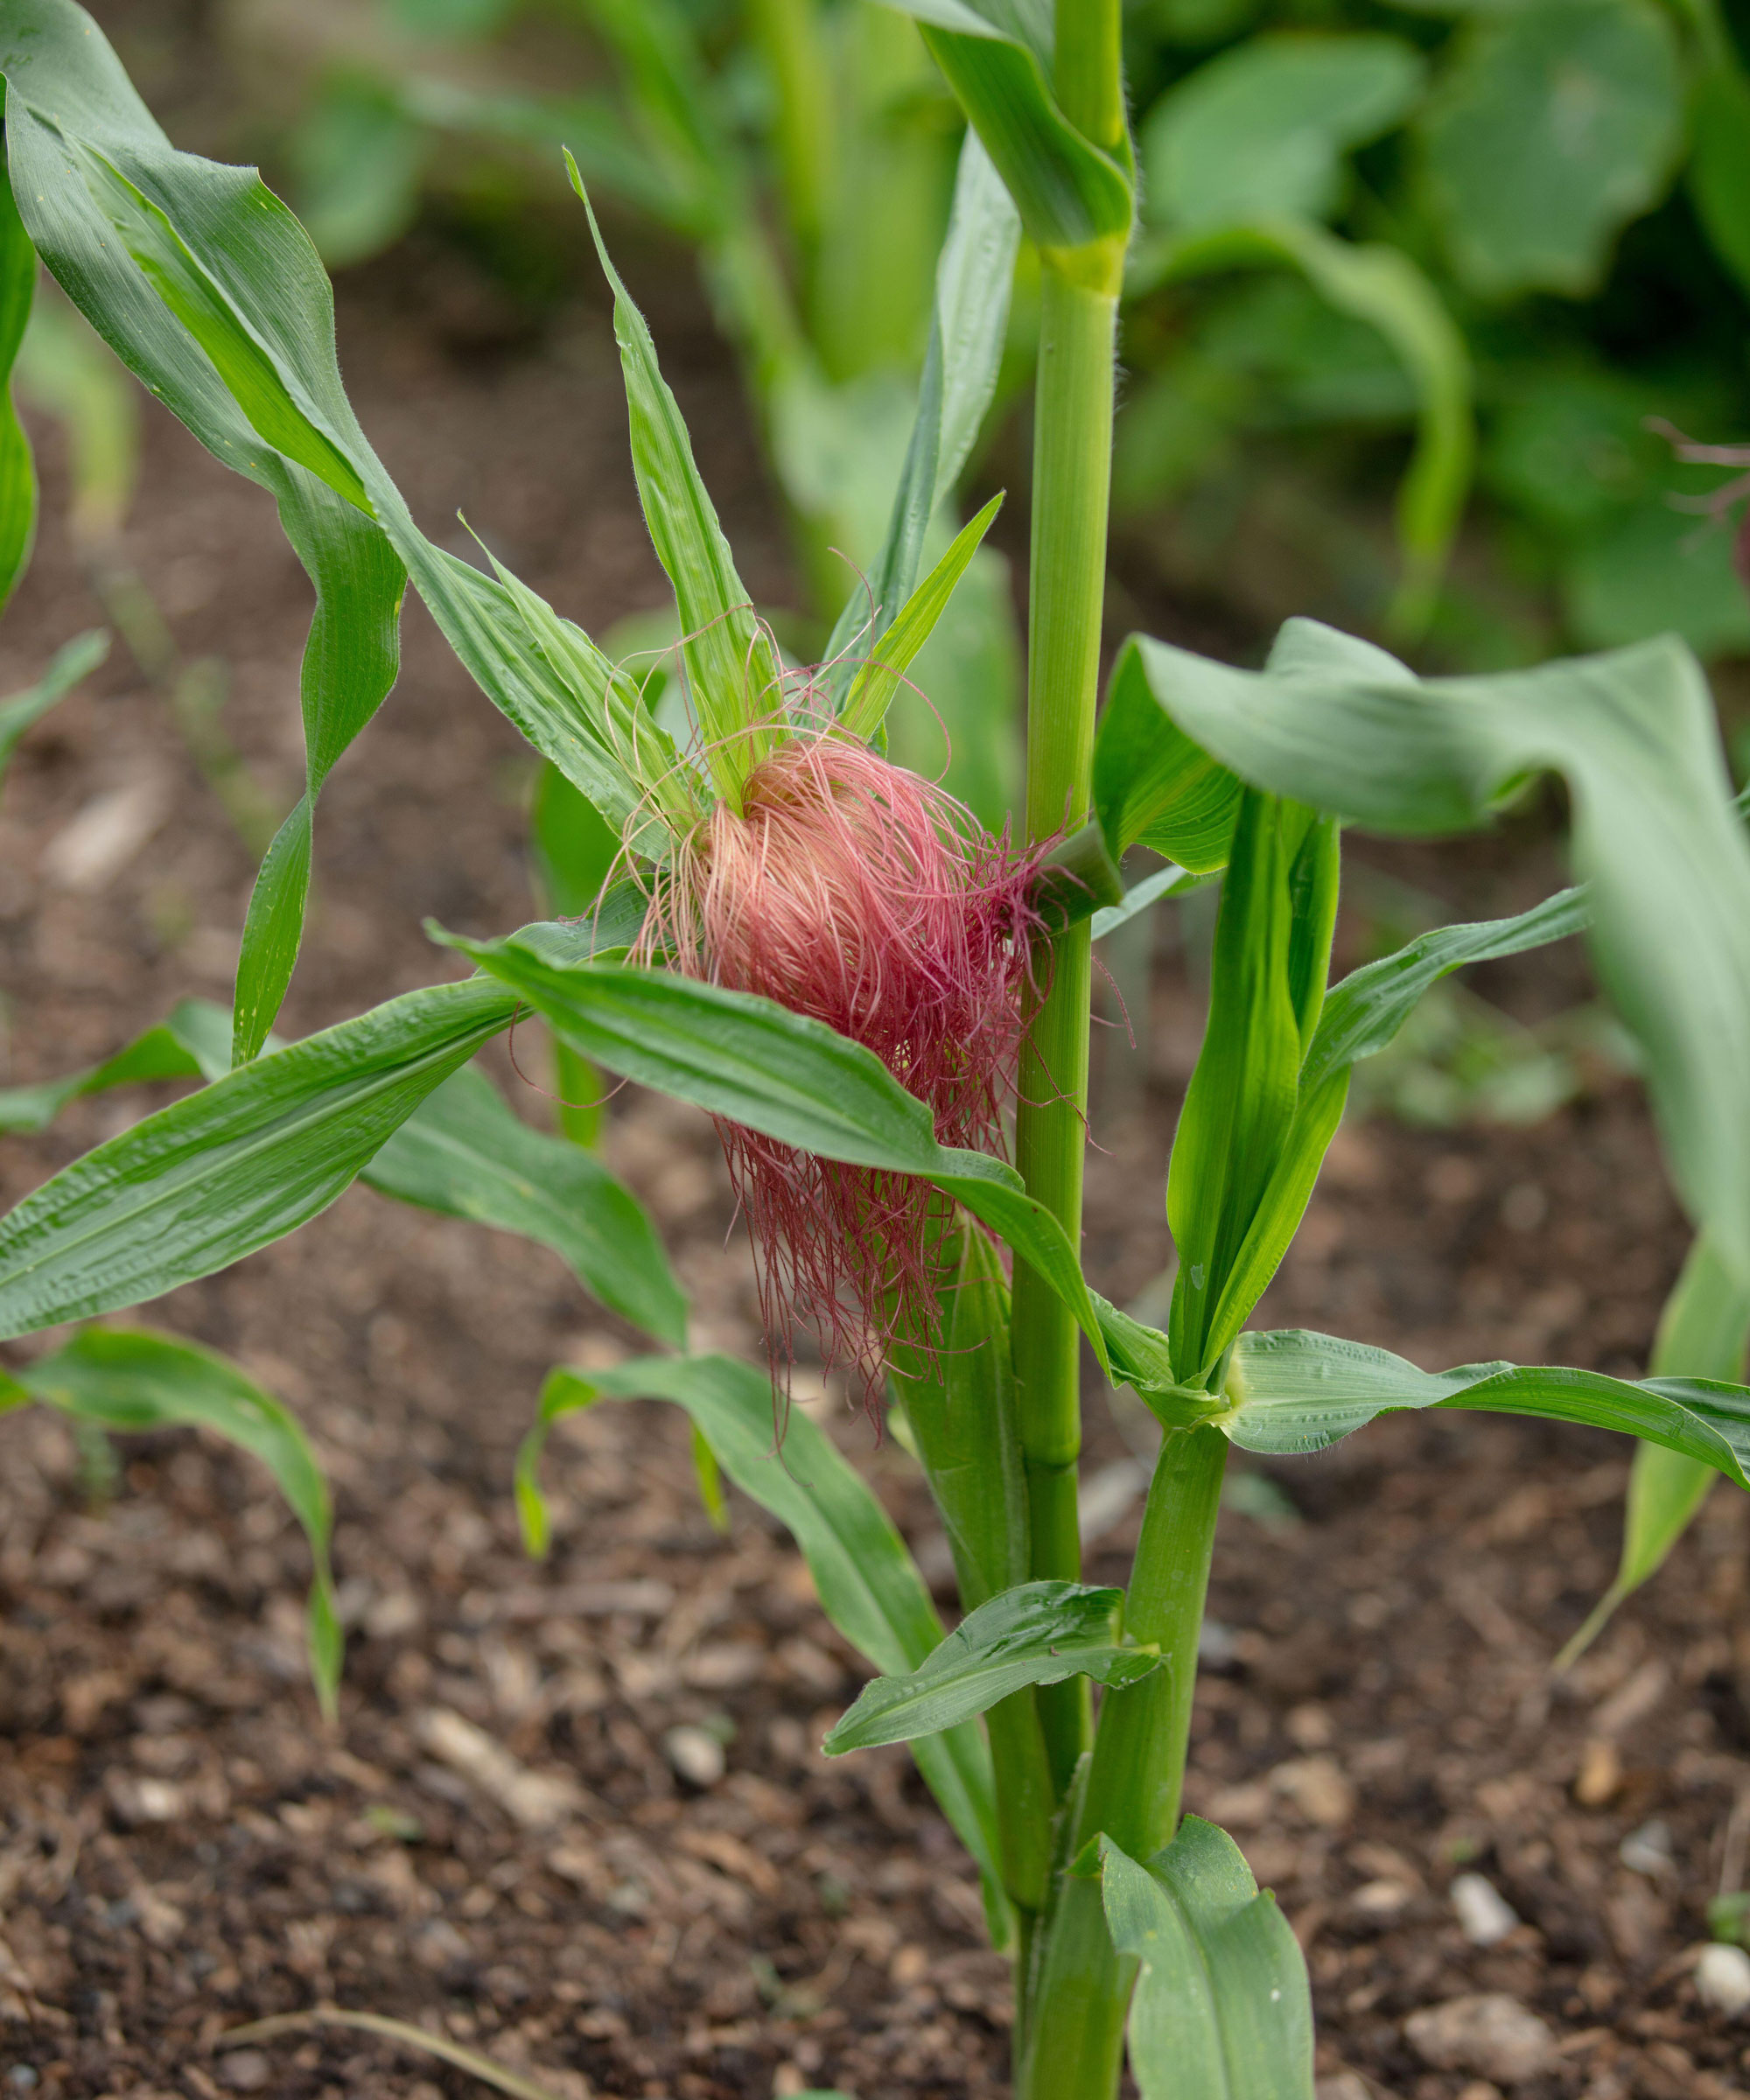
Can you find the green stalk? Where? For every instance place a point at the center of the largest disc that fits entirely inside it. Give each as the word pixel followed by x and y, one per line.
pixel 789 33
pixel 1071 477
pixel 1076 2038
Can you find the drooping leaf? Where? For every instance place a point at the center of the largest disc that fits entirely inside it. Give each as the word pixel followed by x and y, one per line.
pixel 1038 1632
pixel 778 1072
pixel 18 470
pixel 868 1583
pixel 1718 172
pixel 128 1380
pixel 465 1152
pixel 968 322
pixel 1260 132
pixel 876 682
pixel 1558 124
pixel 996 55
pixel 237 1166
pixel 75 660
pixel 1656 835
pixel 1169 881
pixel 192 1041
pixel 1703 1333
pixel 1221 2007
pixel 1291 1390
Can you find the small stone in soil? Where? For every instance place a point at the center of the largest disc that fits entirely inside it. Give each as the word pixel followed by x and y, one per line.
pixel 1722 1980
pixel 696 1754
pixel 1488 2033
pixel 1485 1915
pixel 245 2070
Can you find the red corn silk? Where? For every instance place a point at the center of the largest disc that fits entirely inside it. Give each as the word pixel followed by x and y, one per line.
pixel 854 892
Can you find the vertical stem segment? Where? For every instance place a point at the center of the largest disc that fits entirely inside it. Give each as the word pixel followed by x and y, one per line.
pixel 1072 472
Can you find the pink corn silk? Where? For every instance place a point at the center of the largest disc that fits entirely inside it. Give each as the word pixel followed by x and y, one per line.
pixel 856 892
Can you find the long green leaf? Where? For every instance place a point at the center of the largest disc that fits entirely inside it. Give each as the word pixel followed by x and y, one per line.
pixel 1291 1391
pixel 1038 1633
pixel 781 1073
pixel 75 660
pixel 465 1152
pixel 192 1041
pixel 129 1381
pixel 18 470
pixel 1222 2008
pixel 879 680
pixel 1656 835
pixel 869 1585
pixel 1703 1333
pixel 996 57
pixel 238 1165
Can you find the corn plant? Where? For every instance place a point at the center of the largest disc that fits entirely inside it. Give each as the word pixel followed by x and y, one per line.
pixel 876 1000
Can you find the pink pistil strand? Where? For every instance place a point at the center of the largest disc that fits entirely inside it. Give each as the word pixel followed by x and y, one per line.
pixel 854 892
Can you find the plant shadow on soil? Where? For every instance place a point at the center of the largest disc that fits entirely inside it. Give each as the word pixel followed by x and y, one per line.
pixel 183 1847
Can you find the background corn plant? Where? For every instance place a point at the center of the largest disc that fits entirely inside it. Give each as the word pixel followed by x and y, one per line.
pixel 1124 1921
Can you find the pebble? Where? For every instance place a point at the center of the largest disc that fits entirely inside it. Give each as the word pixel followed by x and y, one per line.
pixel 1488 2033
pixel 1649 1851
pixel 1485 1915
pixel 1600 1773
pixel 696 1754
pixel 1317 1788
pixel 1722 1980
pixel 245 2070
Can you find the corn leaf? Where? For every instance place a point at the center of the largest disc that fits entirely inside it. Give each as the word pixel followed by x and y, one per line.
pixel 238 1165
pixel 792 1078
pixel 996 55
pixel 127 1381
pixel 1038 1633
pixel 18 470
pixel 1656 835
pixel 1222 2008
pixel 733 669
pixel 464 1151
pixel 1291 1390
pixel 75 660
pixel 877 680
pixel 1703 1333
pixel 192 1041
pixel 869 1585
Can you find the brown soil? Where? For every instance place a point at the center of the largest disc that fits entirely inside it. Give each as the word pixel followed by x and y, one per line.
pixel 184 1847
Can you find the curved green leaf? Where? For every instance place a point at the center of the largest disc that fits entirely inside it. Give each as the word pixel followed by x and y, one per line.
pixel 465 1152
pixel 869 1585
pixel 237 1166
pixel 1719 165
pixel 996 57
pixel 1656 835
pixel 792 1078
pixel 1222 2008
pixel 18 469
pixel 878 678
pixel 1291 1391
pixel 192 1041
pixel 1038 1633
pixel 75 660
pixel 127 1381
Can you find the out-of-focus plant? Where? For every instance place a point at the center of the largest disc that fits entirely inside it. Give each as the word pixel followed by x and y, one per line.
pixel 852 976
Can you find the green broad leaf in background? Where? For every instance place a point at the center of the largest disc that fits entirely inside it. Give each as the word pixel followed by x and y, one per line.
pixel 1559 122
pixel 1038 1633
pixel 1222 2008
pixel 18 469
pixel 1658 568
pixel 464 1152
pixel 359 159
pixel 869 1585
pixel 1703 1333
pixel 570 843
pixel 1260 132
pixel 1291 1390
pixel 127 1382
pixel 781 1073
pixel 192 1041
pixel 1656 835
pixel 996 55
pixel 74 660
pixel 968 321
pixel 1382 286
pixel 873 689
pixel 732 665
pixel 1718 171
pixel 237 1166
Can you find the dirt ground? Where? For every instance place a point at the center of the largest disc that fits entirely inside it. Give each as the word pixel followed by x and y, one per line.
pixel 497 1840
